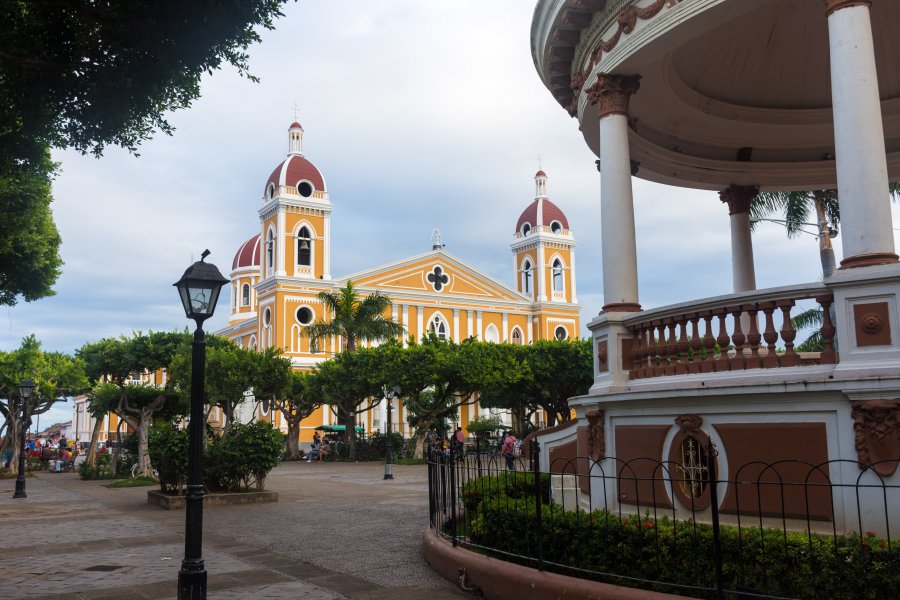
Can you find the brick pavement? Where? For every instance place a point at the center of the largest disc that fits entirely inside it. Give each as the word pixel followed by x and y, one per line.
pixel 338 532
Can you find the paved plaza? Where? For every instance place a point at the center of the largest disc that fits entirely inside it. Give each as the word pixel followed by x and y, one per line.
pixel 338 531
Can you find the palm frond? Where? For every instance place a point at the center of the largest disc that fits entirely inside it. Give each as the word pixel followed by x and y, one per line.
pixel 808 318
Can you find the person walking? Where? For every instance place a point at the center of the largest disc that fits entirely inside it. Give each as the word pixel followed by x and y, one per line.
pixel 509 450
pixel 459 440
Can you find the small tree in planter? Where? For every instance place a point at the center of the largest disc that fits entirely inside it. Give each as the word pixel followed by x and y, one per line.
pixel 169 456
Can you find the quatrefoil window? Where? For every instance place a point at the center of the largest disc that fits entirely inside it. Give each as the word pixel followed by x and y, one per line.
pixel 438 279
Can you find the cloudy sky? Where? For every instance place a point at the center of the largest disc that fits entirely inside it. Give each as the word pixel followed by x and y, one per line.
pixel 420 115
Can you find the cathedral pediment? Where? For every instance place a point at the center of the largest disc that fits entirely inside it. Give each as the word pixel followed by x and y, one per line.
pixel 436 273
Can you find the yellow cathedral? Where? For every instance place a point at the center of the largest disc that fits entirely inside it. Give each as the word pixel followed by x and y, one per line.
pixel 277 273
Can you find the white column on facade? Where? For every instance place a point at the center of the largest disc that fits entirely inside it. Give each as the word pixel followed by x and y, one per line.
pixel 610 95
pixel 572 275
pixel 326 248
pixel 505 337
pixel 406 324
pixel 540 281
pixel 867 236
pixel 479 333
pixel 456 325
pixel 530 332
pixel 280 241
pixel 420 322
pixel 738 199
pixel 517 276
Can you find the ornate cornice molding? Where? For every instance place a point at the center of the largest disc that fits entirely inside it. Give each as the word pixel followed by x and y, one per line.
pixel 611 93
pixel 835 5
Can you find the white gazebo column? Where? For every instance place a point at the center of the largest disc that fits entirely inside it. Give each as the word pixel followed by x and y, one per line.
pixel 610 95
pixel 738 198
pixel 867 236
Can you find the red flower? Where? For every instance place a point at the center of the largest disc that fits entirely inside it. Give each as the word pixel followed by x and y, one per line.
pixel 870 534
pixel 648 524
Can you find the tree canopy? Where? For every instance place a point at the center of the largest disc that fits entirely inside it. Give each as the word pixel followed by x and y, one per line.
pixel 87 74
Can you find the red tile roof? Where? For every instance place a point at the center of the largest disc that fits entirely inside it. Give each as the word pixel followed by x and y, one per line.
pixel 550 211
pixel 247 255
pixel 293 169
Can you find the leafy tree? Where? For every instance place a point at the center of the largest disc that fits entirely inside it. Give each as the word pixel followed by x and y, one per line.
pixel 29 240
pixel 348 383
pixel 297 401
pixel 560 369
pixel 86 74
pixel 437 377
pixel 115 361
pixel 89 74
pixel 55 375
pixel 352 319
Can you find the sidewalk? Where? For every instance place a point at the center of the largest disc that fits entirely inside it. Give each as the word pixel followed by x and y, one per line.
pixel 338 531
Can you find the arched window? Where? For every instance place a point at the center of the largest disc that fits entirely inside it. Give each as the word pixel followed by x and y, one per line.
pixel 270 251
pixel 304 247
pixel 245 294
pixel 557 271
pixel 438 327
pixel 560 333
pixel 526 229
pixel 517 337
pixel 526 277
pixel 556 227
pixel 491 334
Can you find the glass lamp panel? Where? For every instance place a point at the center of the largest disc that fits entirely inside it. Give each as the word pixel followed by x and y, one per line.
pixel 200 300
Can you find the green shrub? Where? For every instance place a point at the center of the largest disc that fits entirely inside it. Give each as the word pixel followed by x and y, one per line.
pixel 508 484
pixel 168 448
pixel 243 457
pixel 501 515
pixel 101 469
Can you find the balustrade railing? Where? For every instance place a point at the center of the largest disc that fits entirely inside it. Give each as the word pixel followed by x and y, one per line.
pixel 729 333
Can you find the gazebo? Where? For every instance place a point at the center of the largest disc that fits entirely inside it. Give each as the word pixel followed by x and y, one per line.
pixel 740 96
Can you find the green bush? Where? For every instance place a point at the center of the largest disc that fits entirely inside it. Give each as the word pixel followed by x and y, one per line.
pixel 508 484
pixel 501 515
pixel 101 469
pixel 243 457
pixel 168 448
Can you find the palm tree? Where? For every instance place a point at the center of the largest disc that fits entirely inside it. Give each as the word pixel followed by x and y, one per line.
pixel 353 320
pixel 795 207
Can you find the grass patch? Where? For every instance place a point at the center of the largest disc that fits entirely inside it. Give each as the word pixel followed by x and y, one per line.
pixel 409 461
pixel 141 481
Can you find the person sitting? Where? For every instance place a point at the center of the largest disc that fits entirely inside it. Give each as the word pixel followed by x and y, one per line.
pixel 314 451
pixel 323 452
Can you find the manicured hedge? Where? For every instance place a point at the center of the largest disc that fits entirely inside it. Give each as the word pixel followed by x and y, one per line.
pixel 770 561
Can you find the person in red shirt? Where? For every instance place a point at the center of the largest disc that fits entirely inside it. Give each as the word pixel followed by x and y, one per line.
pixel 509 450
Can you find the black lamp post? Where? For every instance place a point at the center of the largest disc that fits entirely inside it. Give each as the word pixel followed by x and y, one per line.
pixel 389 395
pixel 199 289
pixel 25 390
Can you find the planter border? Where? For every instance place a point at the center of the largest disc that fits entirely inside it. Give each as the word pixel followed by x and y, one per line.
pixel 500 580
pixel 169 502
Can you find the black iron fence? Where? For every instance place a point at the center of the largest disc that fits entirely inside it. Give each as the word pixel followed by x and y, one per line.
pixel 780 530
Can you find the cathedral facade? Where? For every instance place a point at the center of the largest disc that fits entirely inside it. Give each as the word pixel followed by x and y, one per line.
pixel 278 272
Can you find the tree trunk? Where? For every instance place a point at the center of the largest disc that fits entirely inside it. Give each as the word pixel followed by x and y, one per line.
pixel 826 252
pixel 350 430
pixel 143 433
pixel 11 442
pixel 114 455
pixel 419 452
pixel 293 439
pixel 91 458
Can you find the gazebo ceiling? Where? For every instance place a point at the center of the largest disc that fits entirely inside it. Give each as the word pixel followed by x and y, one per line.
pixel 728 95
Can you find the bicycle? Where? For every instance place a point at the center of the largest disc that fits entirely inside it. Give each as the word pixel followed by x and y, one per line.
pixel 136 469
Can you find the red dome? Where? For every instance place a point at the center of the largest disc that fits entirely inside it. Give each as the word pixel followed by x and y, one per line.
pixel 295 124
pixel 550 212
pixel 296 168
pixel 247 255
pixel 540 173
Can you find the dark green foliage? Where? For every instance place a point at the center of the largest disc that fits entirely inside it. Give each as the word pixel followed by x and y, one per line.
pixel 511 484
pixel 501 515
pixel 241 459
pixel 168 448
pixel 101 469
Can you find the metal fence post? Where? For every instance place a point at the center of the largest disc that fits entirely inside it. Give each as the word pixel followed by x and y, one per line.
pixel 429 460
pixel 478 453
pixel 714 504
pixel 454 513
pixel 536 473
